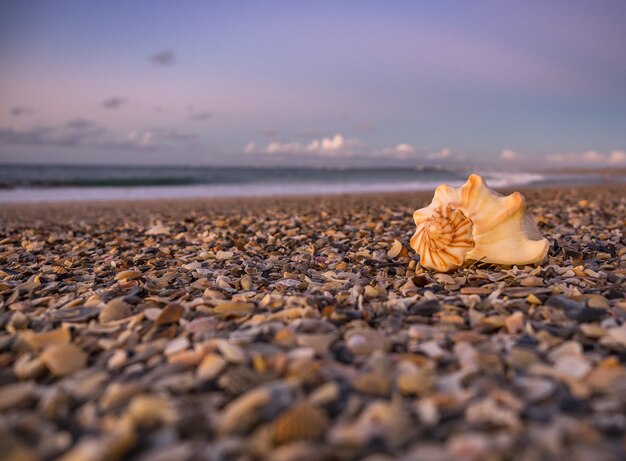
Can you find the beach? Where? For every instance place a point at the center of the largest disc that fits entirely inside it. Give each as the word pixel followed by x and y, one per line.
pixel 295 328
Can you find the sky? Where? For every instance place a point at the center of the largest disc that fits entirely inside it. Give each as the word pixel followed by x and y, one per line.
pixel 489 82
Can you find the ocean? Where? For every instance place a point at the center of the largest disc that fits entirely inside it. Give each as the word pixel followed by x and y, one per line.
pixel 57 183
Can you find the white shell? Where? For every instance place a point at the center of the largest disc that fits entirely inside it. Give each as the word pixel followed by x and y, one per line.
pixel 474 222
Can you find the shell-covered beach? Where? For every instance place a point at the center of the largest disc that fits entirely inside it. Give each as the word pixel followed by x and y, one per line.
pixel 305 329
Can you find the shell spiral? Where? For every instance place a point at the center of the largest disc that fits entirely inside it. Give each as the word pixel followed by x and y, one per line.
pixel 474 222
pixel 443 238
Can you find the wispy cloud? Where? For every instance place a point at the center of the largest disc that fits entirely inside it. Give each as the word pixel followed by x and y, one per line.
pixel 310 134
pixel 400 151
pixel 172 134
pixel 617 156
pixel 442 155
pixel 590 157
pixel 153 139
pixel 509 155
pixel 114 102
pixel 81 124
pixel 340 146
pixel 19 111
pixel 365 127
pixel 74 133
pixel 336 146
pixel 202 116
pixel 269 132
pixel 81 132
pixel 163 58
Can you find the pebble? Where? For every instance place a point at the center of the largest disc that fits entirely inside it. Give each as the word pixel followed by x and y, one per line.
pixel 27 366
pixel 535 389
pixel 17 395
pixel 118 359
pixel 365 341
pixel 64 359
pixel 150 410
pixel 231 352
pixel 413 380
pixel 394 250
pixel 302 421
pixel 236 309
pixel 242 413
pixel 211 366
pixel 325 394
pixel 224 255
pixel 531 282
pixel 158 229
pixel 575 366
pixel 37 341
pixel 514 323
pixel 617 335
pixel 116 309
pixel 476 291
pixel 171 314
pixel 176 345
pixel 128 275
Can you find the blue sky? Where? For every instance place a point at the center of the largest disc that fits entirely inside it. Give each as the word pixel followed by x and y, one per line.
pixel 484 82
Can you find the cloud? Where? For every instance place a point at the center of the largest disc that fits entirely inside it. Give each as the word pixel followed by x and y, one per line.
pixel 590 157
pixel 201 116
pixel 18 111
pixel 74 133
pixel 114 102
pixel 135 139
pixel 81 132
pixel 336 146
pixel 269 132
pixel 172 134
pixel 617 156
pixel 509 155
pixel 163 58
pixel 310 134
pixel 407 151
pixel 152 139
pixel 80 124
pixel 400 151
pixel 365 127
pixel 440 155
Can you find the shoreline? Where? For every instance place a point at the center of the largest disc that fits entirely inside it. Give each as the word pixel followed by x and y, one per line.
pixel 525 188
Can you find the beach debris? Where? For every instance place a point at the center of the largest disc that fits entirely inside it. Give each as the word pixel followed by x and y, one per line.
pixel 116 309
pixel 302 421
pixel 394 250
pixel 476 223
pixel 315 337
pixel 64 359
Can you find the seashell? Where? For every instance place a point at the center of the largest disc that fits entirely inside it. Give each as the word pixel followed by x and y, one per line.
pixel 150 410
pixel 474 222
pixel 211 366
pixel 64 359
pixel 116 309
pixel 44 339
pixel 302 421
pixel 170 314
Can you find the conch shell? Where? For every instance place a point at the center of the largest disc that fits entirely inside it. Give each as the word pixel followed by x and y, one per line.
pixel 474 222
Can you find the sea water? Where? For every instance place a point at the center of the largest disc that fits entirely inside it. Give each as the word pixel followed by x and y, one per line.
pixel 54 183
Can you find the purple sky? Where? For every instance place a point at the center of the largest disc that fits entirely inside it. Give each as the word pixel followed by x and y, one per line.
pixel 514 83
